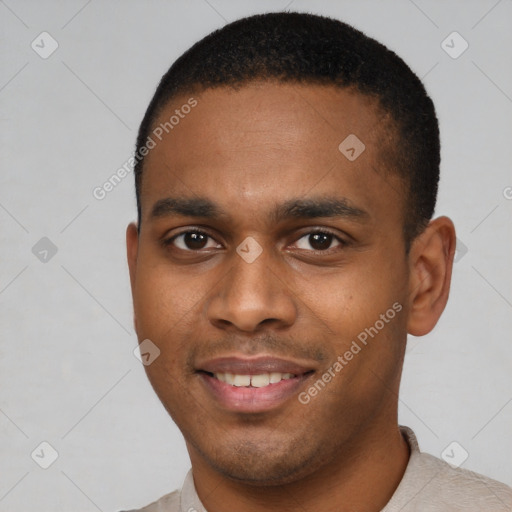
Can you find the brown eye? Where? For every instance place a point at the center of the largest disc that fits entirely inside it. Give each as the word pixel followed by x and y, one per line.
pixel 193 241
pixel 318 241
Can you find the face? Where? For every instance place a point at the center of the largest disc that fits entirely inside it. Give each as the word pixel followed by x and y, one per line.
pixel 270 264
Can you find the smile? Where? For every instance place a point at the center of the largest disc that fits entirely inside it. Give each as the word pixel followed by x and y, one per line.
pixel 251 385
pixel 254 381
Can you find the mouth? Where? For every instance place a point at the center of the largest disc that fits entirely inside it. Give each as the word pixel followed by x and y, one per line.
pixel 252 385
pixel 254 381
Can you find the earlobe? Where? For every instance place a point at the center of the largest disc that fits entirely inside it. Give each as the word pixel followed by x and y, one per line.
pixel 132 246
pixel 430 261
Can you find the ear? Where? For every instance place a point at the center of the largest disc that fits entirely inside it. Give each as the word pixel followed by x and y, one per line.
pixel 430 272
pixel 132 246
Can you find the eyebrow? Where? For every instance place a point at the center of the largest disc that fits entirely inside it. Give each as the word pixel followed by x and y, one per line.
pixel 293 208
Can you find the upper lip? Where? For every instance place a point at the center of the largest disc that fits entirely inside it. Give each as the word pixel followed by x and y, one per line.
pixel 253 366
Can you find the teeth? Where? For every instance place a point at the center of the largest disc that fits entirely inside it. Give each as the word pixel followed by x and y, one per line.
pixel 275 377
pixel 260 381
pixel 256 381
pixel 242 380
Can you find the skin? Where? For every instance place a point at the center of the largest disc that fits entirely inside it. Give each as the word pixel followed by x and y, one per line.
pixel 248 151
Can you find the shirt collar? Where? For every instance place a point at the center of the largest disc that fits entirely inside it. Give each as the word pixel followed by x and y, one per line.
pixel 405 491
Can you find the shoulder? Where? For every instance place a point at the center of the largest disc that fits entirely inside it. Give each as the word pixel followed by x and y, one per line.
pixel 168 503
pixel 183 500
pixel 464 490
pixel 430 484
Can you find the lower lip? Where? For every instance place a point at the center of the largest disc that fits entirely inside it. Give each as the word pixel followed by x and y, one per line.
pixel 251 400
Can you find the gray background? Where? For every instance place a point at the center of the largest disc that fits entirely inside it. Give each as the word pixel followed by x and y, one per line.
pixel 68 375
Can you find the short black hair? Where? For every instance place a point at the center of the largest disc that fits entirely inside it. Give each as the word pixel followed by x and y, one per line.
pixel 307 49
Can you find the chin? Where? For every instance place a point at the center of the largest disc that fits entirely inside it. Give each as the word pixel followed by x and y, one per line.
pixel 254 464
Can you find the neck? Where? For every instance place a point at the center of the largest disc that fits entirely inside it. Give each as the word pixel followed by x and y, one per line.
pixel 364 478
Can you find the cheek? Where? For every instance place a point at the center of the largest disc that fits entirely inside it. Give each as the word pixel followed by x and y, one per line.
pixel 353 299
pixel 165 304
pixel 163 301
pixel 364 309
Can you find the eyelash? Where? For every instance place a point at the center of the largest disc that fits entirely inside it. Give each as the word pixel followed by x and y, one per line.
pixel 343 243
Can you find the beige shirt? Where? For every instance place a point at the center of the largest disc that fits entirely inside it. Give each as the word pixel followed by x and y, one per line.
pixel 428 485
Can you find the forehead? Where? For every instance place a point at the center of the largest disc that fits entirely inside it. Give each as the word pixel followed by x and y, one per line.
pixel 267 141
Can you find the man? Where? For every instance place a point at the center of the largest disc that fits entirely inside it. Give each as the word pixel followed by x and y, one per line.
pixel 286 177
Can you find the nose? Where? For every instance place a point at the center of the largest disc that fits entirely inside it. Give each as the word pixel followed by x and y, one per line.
pixel 252 296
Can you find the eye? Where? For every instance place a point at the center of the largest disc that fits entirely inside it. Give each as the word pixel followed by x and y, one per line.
pixel 192 240
pixel 319 241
